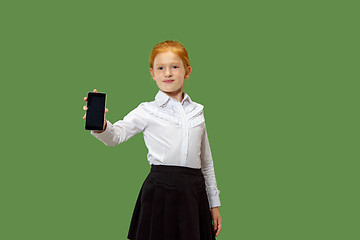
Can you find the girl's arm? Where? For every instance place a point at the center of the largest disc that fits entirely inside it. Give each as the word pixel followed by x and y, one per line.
pixel 133 123
pixel 207 167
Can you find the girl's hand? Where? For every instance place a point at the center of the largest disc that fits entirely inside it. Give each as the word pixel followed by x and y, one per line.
pixel 217 222
pixel 106 111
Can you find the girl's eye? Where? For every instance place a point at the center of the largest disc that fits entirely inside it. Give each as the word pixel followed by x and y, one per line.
pixel 175 66
pixel 160 68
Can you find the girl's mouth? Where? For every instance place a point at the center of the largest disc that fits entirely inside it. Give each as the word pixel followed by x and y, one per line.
pixel 168 81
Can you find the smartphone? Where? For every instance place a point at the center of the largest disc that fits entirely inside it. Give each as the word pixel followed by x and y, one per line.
pixel 95 115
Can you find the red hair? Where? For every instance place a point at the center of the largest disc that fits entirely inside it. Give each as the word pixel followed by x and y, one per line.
pixel 173 46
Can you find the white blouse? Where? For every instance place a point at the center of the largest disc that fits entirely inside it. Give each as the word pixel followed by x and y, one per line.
pixel 174 133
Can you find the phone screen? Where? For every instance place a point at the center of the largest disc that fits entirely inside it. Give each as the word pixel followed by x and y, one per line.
pixel 95 114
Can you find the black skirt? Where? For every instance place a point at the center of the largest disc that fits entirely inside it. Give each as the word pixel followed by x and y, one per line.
pixel 172 205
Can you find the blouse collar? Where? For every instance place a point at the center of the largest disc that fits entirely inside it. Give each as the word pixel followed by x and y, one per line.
pixel 162 99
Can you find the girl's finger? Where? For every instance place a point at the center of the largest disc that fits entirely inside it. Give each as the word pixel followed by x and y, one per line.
pixel 85 108
pixel 84 117
pixel 85 98
pixel 95 90
pixel 106 110
pixel 218 229
pixel 215 224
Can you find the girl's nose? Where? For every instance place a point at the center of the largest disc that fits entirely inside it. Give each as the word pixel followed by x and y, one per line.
pixel 168 72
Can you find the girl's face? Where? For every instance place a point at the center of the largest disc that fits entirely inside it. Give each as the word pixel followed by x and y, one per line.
pixel 169 72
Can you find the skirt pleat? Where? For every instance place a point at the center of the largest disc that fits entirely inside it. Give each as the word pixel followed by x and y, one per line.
pixel 172 205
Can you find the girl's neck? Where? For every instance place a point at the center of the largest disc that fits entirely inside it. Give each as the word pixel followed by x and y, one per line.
pixel 179 95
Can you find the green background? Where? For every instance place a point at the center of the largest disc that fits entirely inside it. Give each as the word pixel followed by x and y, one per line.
pixel 279 81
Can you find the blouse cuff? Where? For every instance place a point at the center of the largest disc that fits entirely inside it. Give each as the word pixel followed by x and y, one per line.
pixel 105 135
pixel 214 201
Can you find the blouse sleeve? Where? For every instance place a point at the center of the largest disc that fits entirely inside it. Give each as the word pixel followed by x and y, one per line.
pixel 133 123
pixel 207 167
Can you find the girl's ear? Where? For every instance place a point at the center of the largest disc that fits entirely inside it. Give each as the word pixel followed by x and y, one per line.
pixel 188 73
pixel 152 73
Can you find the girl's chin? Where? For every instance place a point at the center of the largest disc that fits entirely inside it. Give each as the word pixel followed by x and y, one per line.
pixel 171 90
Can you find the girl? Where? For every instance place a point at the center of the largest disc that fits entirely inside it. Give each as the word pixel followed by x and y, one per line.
pixel 174 200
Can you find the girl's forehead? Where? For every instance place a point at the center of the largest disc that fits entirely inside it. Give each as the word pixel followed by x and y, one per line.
pixel 167 57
